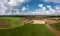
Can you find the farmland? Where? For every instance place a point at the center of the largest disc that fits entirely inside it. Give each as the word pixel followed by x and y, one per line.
pixel 56 26
pixel 27 30
pixel 15 27
pixel 11 21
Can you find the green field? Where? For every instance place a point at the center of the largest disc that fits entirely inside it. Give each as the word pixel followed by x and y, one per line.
pixel 12 21
pixel 24 30
pixel 56 26
pixel 27 30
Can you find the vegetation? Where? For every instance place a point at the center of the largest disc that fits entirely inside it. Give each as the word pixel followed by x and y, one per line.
pixel 56 26
pixel 12 21
pixel 27 30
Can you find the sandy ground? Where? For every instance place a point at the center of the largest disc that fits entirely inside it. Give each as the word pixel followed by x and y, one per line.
pixel 38 21
pixel 48 21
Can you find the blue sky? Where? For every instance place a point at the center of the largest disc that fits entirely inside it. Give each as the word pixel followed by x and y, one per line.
pixel 30 7
pixel 34 4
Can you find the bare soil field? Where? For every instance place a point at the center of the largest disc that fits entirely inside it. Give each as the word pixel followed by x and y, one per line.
pixel 38 21
pixel 48 21
pixel 3 24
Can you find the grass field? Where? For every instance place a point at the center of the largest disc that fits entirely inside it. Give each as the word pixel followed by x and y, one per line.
pixel 12 21
pixel 56 26
pixel 27 30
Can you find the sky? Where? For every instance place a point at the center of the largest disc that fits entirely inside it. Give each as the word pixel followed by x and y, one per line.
pixel 29 7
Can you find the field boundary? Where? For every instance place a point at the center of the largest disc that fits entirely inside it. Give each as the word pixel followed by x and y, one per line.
pixel 12 27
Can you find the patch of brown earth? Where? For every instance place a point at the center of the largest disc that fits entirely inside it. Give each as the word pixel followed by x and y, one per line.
pixel 48 21
pixel 38 21
pixel 26 21
pixel 3 24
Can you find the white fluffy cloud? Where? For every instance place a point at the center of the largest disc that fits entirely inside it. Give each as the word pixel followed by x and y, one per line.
pixel 24 9
pixel 7 7
pixel 40 5
pixel 54 1
pixel 48 6
pixel 43 10
pixel 57 10
pixel 52 11
pixel 3 8
pixel 14 3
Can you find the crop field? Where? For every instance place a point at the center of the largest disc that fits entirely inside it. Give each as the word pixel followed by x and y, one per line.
pixel 27 30
pixel 11 21
pixel 56 26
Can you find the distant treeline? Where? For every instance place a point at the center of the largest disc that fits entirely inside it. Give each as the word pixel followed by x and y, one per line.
pixel 28 16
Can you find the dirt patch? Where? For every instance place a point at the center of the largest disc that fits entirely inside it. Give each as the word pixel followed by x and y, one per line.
pixel 48 21
pixel 38 21
pixel 25 21
pixel 34 21
pixel 3 24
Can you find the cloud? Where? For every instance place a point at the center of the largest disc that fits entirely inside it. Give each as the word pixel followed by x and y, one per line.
pixel 54 1
pixel 57 10
pixel 48 6
pixel 2 8
pixel 16 12
pixel 15 3
pixel 43 11
pixel 7 6
pixel 40 5
pixel 52 11
pixel 24 9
